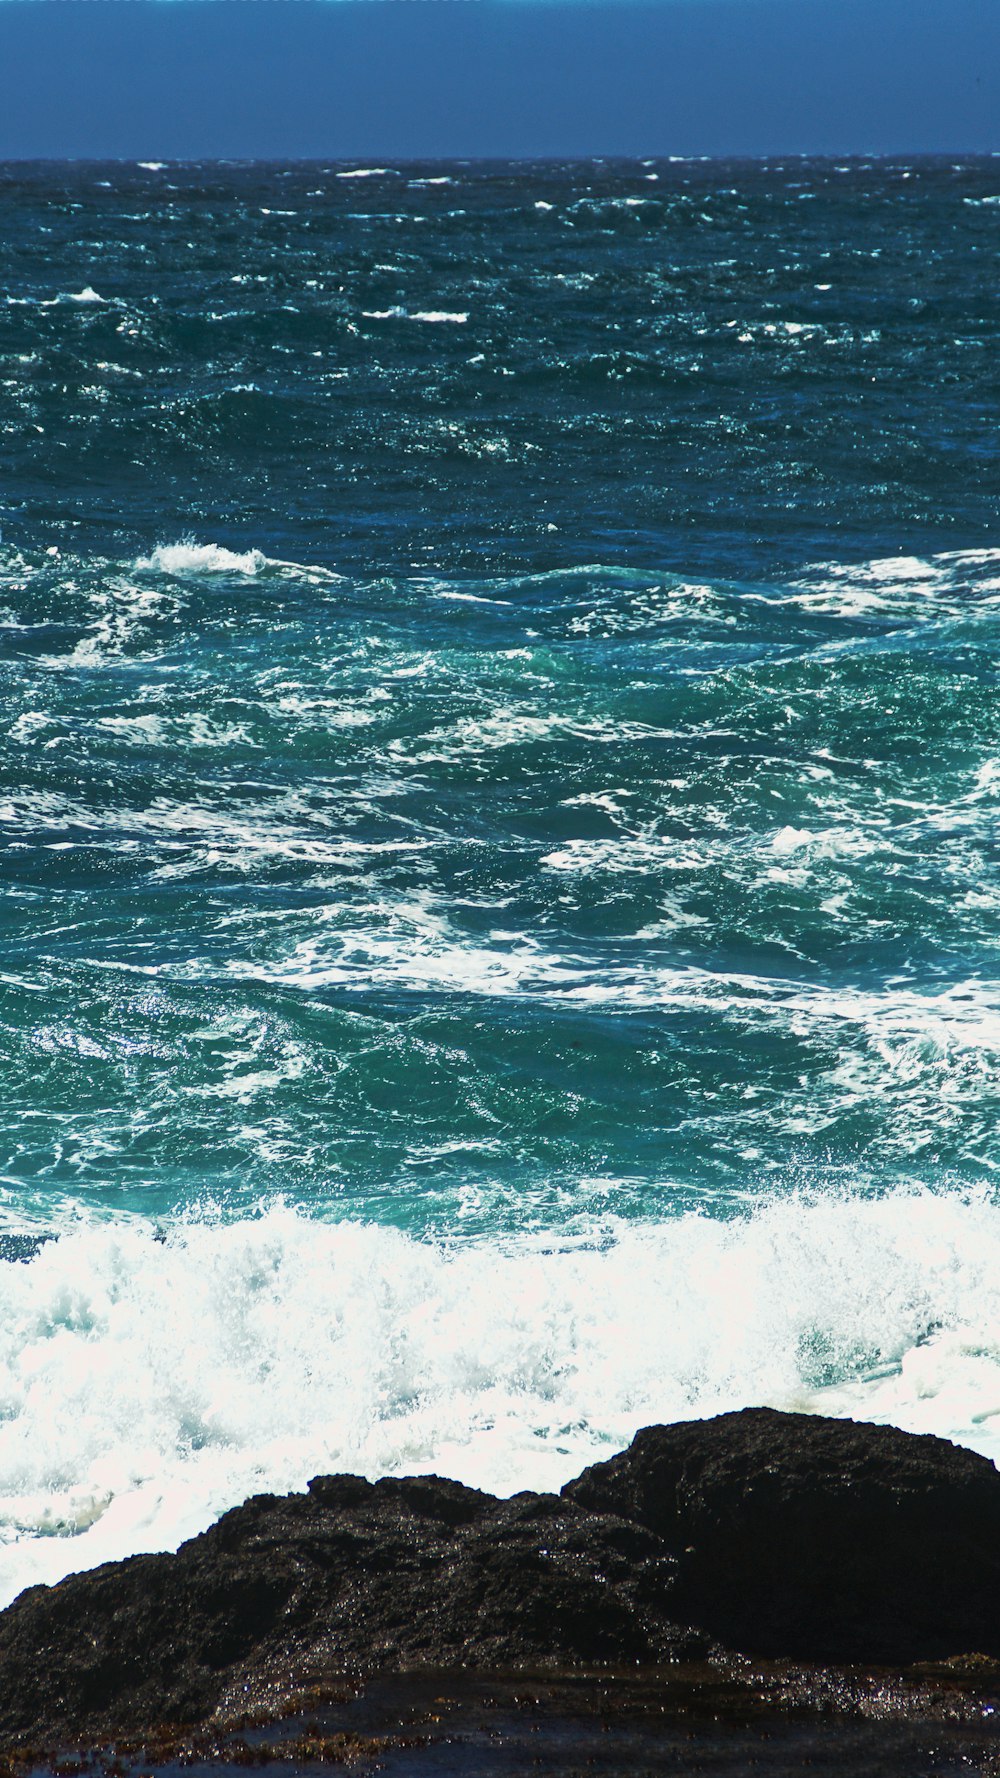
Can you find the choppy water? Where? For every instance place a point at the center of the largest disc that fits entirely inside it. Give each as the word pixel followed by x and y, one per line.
pixel 499 788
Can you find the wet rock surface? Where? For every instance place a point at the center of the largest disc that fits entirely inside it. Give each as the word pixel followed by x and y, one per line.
pixel 721 1719
pixel 774 1534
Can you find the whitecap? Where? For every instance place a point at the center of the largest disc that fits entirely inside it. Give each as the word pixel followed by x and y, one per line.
pixel 85 296
pixel 396 313
pixel 188 557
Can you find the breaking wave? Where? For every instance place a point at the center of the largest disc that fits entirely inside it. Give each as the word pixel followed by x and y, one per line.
pixel 153 1378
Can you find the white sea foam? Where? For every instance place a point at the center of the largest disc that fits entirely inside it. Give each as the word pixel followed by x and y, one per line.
pixel 908 587
pixel 457 317
pixel 146 1384
pixel 124 615
pixel 188 557
pixel 87 295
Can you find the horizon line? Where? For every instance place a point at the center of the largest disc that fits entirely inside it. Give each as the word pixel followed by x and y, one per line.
pixel 151 161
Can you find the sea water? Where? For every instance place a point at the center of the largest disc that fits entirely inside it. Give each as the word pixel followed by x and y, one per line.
pixel 499 785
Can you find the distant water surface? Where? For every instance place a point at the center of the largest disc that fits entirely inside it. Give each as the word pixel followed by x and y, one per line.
pixel 500 775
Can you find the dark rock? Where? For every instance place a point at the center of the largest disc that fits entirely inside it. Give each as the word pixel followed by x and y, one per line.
pixel 774 1533
pixel 284 1594
pixel 814 1538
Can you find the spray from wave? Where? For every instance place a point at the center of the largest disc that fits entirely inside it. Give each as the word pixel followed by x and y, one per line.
pixel 189 557
pixel 151 1379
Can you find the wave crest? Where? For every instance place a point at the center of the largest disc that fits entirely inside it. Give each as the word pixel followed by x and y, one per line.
pixel 189 557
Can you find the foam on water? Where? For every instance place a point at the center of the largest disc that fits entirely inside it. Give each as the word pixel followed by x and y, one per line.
pixel 189 557
pixel 151 1380
pixel 458 317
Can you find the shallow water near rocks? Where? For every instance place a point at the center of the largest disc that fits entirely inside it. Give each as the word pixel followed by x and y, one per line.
pixel 677 1721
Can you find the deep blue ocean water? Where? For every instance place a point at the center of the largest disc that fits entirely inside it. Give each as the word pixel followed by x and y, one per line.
pixel 500 772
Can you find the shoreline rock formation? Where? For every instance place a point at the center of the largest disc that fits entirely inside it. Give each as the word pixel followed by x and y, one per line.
pixel 774 1535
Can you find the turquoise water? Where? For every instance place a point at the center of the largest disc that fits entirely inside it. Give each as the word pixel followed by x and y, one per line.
pixel 499 788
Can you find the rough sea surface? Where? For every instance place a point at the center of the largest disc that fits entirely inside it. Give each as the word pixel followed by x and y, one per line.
pixel 498 791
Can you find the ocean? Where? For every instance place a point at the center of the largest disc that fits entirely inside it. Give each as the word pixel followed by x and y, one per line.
pixel 500 772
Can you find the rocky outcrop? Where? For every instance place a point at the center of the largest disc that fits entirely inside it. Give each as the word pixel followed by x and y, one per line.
pixel 284 1596
pixel 820 1539
pixel 772 1533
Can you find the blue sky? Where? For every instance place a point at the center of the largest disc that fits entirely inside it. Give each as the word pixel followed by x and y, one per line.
pixel 395 78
